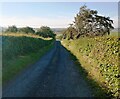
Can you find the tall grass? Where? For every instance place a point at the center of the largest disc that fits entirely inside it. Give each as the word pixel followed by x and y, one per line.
pixel 114 34
pixel 24 34
pixel 18 46
pixel 20 51
pixel 99 56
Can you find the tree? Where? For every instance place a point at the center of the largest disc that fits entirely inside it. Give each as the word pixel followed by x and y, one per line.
pixel 83 20
pixel 70 32
pixel 27 30
pixel 45 31
pixel 88 23
pixel 104 23
pixel 12 29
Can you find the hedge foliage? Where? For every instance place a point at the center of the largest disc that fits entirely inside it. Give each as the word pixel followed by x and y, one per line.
pixel 105 51
pixel 13 46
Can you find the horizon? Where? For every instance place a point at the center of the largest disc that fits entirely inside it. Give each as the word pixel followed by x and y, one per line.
pixel 52 14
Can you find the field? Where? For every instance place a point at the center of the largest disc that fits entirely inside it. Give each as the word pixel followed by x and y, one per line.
pixel 20 51
pixel 99 57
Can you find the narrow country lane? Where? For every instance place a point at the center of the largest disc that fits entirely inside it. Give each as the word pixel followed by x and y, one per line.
pixel 54 75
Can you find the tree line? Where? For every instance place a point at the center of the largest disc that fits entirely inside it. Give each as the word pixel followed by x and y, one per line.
pixel 43 31
pixel 88 23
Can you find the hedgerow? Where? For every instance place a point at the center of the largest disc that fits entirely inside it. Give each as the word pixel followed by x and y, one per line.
pixel 105 51
pixel 13 46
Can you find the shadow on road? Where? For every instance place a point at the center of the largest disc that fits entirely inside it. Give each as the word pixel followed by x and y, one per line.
pixel 96 89
pixel 56 74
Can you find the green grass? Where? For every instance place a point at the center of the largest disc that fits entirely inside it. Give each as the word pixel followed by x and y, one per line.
pixel 15 66
pixel 18 52
pixel 114 34
pixel 97 91
pixel 99 57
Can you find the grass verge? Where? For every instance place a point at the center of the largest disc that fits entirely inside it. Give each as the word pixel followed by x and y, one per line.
pixel 89 73
pixel 97 91
pixel 16 65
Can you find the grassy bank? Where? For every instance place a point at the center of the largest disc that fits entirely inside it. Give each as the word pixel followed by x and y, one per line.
pixel 19 52
pixel 24 34
pixel 99 57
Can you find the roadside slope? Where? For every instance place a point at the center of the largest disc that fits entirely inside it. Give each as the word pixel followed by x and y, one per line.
pixel 18 52
pixel 99 58
pixel 55 75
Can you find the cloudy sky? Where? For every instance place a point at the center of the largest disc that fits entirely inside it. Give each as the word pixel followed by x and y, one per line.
pixel 52 14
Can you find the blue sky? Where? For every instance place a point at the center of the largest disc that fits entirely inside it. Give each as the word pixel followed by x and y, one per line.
pixel 53 14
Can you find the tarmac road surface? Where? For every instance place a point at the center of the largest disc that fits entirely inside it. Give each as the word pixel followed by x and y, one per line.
pixel 54 75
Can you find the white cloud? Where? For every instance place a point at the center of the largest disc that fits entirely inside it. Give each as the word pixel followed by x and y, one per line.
pixel 58 22
pixel 115 20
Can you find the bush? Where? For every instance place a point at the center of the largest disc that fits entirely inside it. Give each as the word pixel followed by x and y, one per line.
pixel 105 52
pixel 26 30
pixel 12 29
pixel 18 46
pixel 45 31
pixel 19 52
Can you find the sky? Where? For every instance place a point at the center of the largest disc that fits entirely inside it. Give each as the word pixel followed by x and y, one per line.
pixel 52 14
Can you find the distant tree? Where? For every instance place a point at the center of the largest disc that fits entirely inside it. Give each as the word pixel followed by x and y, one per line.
pixel 45 31
pixel 12 29
pixel 26 30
